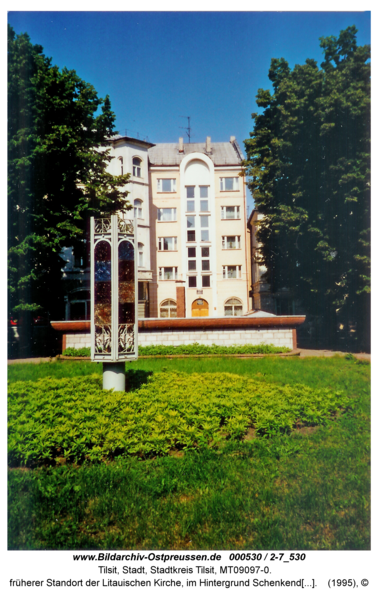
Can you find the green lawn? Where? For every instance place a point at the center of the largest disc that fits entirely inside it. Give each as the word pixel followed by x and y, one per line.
pixel 307 489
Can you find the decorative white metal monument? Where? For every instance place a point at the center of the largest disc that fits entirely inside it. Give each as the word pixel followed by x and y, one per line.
pixel 114 297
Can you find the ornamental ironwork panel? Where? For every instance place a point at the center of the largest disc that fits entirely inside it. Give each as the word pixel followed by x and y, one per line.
pixel 102 225
pixel 126 339
pixel 125 226
pixel 114 289
pixel 103 337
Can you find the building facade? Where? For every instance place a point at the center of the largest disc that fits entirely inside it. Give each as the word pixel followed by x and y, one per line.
pixel 198 232
pixel 190 205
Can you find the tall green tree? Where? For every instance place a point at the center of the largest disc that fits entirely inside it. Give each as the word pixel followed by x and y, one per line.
pixel 57 171
pixel 308 159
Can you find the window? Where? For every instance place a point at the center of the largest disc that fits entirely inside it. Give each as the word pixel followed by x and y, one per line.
pixel 167 214
pixel 231 242
pixel 191 252
pixel 166 185
pixel 80 254
pixel 204 222
pixel 137 170
pixel 192 281
pixel 79 311
pixel 233 308
pixel 205 252
pixel 190 224
pixel 120 158
pixel 193 195
pixel 230 212
pixel 142 291
pixel 205 280
pixel 140 254
pixel 138 212
pixel 79 305
pixel 192 265
pixel 168 309
pixel 229 184
pixel 168 273
pixel 205 265
pixel 79 262
pixel 168 243
pixel 232 272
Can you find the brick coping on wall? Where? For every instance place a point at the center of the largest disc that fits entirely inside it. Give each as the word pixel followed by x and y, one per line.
pixel 220 323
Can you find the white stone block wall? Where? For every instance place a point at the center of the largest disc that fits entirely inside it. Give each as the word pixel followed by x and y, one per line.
pixel 78 340
pixel 221 337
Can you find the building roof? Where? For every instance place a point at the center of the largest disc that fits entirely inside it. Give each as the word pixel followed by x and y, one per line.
pixel 222 153
pixel 128 139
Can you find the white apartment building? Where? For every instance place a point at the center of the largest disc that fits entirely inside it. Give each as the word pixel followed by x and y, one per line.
pixel 190 204
pixel 198 230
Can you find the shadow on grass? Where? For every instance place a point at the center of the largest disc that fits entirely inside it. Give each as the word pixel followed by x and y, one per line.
pixel 135 378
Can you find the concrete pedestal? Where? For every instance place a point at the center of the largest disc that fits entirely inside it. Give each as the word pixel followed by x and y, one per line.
pixel 113 376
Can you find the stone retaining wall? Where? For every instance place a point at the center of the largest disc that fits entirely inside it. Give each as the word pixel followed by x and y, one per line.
pixel 221 337
pixel 77 340
pixel 176 337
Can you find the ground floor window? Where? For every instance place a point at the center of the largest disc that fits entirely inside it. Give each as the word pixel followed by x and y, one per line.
pixel 233 308
pixel 168 309
pixel 80 310
pixel 78 305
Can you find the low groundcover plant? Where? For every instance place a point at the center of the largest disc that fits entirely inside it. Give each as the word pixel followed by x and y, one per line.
pixel 159 350
pixel 74 420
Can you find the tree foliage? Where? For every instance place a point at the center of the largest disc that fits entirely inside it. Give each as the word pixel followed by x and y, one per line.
pixel 57 177
pixel 309 163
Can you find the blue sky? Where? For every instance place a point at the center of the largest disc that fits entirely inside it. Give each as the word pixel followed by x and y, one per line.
pixel 160 66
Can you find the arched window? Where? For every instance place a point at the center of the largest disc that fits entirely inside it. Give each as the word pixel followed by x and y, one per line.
pixel 137 167
pixel 168 309
pixel 140 254
pixel 138 212
pixel 233 308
